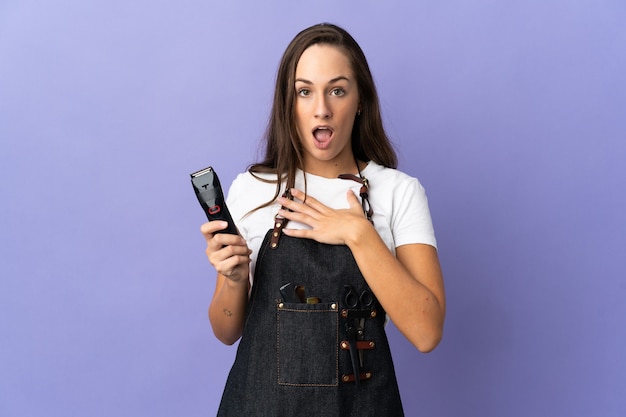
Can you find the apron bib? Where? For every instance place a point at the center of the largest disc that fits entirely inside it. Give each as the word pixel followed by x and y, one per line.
pixel 295 358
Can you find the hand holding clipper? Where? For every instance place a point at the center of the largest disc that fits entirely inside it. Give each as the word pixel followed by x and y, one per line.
pixel 209 192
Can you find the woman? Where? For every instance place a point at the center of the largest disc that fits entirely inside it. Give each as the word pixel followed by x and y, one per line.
pixel 316 269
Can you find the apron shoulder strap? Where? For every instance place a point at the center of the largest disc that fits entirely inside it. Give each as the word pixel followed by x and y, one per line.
pixel 279 223
pixel 364 193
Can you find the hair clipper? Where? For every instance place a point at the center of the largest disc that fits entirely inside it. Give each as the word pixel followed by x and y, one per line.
pixel 209 192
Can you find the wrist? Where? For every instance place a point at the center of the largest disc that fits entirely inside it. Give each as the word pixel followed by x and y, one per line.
pixel 237 285
pixel 360 231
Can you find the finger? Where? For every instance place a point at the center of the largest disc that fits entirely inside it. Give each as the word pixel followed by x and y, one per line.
pixel 226 239
pixel 229 254
pixel 210 231
pixel 209 228
pixel 297 207
pixel 297 216
pixel 300 195
pixel 353 201
pixel 301 233
pixel 308 200
pixel 309 205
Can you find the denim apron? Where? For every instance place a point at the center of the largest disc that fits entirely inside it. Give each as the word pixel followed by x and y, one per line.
pixel 294 358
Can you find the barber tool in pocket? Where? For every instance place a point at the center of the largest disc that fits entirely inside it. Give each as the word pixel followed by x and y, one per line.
pixel 291 293
pixel 359 307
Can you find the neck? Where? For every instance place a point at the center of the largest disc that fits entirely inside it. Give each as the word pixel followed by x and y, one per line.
pixel 332 169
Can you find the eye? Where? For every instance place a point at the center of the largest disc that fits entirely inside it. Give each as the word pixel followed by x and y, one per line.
pixel 337 92
pixel 304 92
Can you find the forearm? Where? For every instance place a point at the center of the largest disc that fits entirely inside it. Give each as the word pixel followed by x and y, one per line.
pixel 409 292
pixel 228 308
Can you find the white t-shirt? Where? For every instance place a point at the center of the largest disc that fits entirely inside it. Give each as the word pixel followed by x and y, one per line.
pixel 401 213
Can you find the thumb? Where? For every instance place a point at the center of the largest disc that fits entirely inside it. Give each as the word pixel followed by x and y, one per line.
pixel 353 200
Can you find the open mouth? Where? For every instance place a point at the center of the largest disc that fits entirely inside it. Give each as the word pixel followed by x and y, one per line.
pixel 323 136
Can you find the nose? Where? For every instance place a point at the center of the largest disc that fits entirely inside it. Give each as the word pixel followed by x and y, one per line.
pixel 322 109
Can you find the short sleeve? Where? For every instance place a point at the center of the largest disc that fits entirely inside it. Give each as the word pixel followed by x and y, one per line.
pixel 411 221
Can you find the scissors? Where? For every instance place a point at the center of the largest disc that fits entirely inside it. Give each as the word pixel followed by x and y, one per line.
pixel 364 304
pixel 364 301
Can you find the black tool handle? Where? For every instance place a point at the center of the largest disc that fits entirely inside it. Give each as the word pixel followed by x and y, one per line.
pixel 207 186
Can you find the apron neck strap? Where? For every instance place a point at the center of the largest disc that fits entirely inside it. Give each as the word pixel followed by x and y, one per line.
pixel 279 222
pixel 363 192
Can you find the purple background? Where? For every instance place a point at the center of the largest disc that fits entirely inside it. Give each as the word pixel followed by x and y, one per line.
pixel 512 114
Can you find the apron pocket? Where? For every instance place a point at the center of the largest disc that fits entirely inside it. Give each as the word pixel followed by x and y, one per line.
pixel 307 344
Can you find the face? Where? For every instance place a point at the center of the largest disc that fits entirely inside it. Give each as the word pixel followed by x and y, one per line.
pixel 327 100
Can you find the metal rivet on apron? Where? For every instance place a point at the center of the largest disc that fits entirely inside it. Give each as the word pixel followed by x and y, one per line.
pixel 277 225
pixel 333 306
pixel 372 344
pixel 280 305
pixel 344 345
pixel 275 234
pixel 368 375
pixel 274 244
pixel 346 378
pixel 373 314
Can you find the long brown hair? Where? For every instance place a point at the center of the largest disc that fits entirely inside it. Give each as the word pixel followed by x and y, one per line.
pixel 283 150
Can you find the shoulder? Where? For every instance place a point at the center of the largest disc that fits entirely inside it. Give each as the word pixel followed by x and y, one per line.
pixel 249 191
pixel 390 180
pixel 247 179
pixel 247 185
pixel 401 212
pixel 375 170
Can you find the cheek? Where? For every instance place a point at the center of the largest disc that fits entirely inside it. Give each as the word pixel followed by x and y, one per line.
pixel 348 111
pixel 300 129
pixel 299 124
pixel 347 121
pixel 299 114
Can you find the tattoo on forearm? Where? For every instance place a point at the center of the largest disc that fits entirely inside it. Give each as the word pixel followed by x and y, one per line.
pixel 227 312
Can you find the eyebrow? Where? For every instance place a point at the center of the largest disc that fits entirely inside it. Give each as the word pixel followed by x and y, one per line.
pixel 334 80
